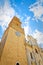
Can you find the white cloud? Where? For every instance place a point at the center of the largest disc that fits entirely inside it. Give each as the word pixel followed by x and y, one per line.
pixel 27 28
pixel 27 19
pixel 6 14
pixel 27 31
pixel 37 9
pixel 39 36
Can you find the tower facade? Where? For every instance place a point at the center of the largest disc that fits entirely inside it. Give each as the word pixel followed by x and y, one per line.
pixel 13 48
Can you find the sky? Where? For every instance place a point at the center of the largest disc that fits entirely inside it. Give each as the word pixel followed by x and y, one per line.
pixel 30 13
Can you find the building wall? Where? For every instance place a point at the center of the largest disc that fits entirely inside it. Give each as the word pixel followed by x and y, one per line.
pixel 3 40
pixel 33 55
pixel 37 54
pixel 14 49
pixel 30 55
pixel 0 49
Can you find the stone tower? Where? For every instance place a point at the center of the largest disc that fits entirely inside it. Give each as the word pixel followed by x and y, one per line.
pixel 13 45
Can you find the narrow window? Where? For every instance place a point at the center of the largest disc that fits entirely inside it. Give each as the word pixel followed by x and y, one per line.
pixel 36 50
pixel 31 55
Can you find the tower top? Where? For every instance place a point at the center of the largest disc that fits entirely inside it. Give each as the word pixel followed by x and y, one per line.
pixel 16 24
pixel 15 21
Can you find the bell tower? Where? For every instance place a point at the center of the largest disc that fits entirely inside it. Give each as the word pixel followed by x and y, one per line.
pixel 14 52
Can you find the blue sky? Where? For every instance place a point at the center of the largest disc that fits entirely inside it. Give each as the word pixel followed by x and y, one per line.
pixel 30 13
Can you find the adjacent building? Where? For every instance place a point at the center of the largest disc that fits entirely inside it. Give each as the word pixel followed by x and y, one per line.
pixel 34 53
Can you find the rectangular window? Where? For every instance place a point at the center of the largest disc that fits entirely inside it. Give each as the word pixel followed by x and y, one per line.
pixel 31 56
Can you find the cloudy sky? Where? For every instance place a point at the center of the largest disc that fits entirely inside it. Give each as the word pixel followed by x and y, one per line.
pixel 30 13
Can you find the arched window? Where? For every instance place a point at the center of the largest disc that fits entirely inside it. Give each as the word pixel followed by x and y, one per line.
pixel 17 63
